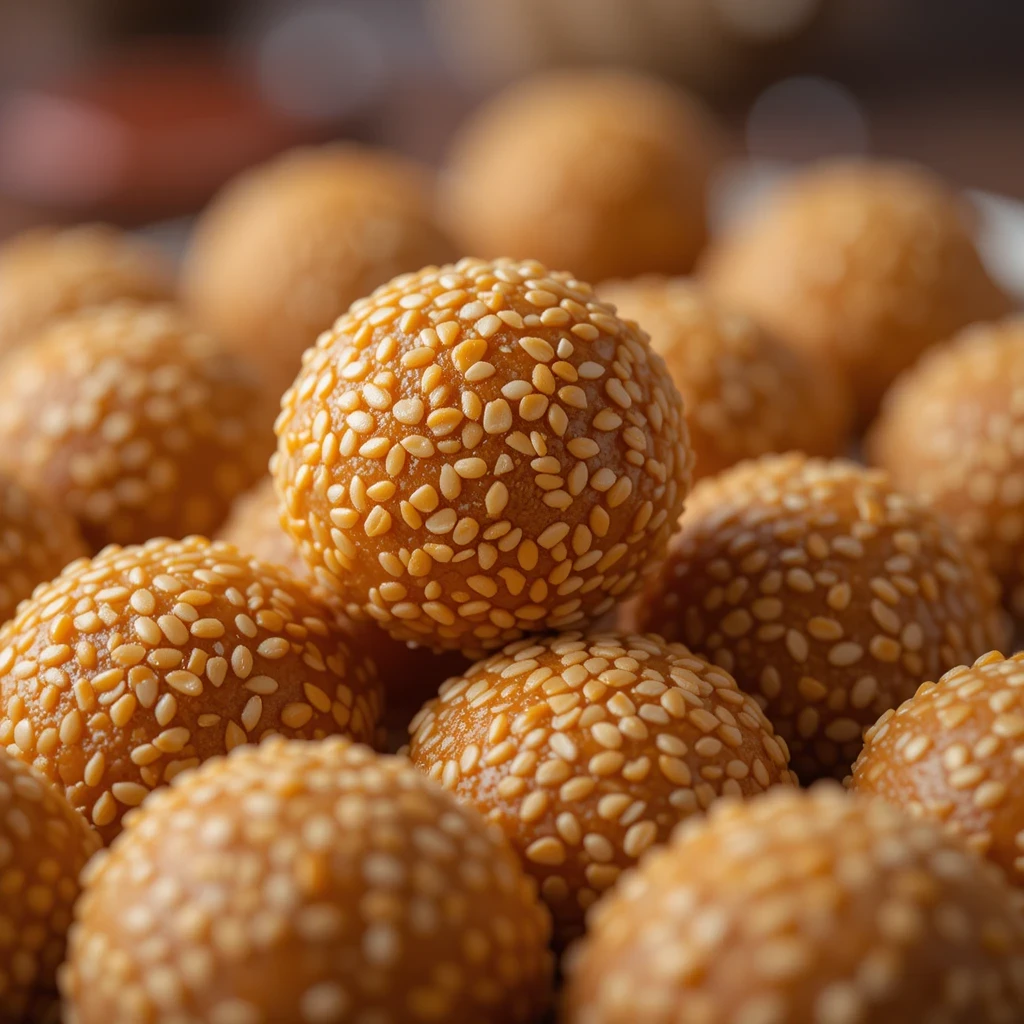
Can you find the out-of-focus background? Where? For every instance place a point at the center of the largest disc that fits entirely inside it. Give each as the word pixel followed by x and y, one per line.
pixel 135 111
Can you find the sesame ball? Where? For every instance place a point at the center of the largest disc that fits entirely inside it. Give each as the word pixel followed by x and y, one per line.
pixel 409 675
pixel 308 882
pixel 140 424
pixel 744 393
pixel 864 264
pixel 827 594
pixel 952 431
pixel 588 750
pixel 286 248
pixel 47 273
pixel 480 451
pixel 954 752
pixel 145 661
pixel 804 907
pixel 37 539
pixel 603 172
pixel 44 845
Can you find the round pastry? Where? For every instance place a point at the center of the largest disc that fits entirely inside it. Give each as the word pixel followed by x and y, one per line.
pixel 601 173
pixel 145 661
pixel 307 882
pixel 47 273
pixel 864 264
pixel 285 248
pixel 44 845
pixel 827 594
pixel 587 751
pixel 37 539
pixel 744 393
pixel 952 431
pixel 139 424
pixel 480 451
pixel 804 908
pixel 954 752
pixel 409 674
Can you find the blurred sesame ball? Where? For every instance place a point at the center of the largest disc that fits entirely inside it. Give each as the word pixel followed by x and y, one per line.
pixel 600 173
pixel 285 249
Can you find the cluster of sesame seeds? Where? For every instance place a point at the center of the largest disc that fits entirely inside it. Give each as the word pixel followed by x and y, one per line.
pixel 288 246
pixel 600 172
pixel 480 451
pixel 954 753
pixel 139 423
pixel 952 431
pixel 307 882
pixel 828 595
pixel 804 906
pixel 589 750
pixel 866 264
pixel 37 540
pixel 142 662
pixel 745 393
pixel 44 845
pixel 47 273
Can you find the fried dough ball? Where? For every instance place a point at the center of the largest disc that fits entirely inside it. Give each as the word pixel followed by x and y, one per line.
pixel 863 264
pixel 588 750
pixel 805 908
pixel 288 246
pixel 744 393
pixel 144 661
pixel 140 425
pixel 601 173
pixel 828 595
pixel 480 451
pixel 308 883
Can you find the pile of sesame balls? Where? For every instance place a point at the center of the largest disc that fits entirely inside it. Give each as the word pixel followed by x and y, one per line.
pixel 549 656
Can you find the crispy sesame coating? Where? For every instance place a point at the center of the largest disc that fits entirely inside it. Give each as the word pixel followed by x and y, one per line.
pixel 47 273
pixel 588 750
pixel 311 883
pixel 409 675
pixel 37 539
pixel 954 752
pixel 602 172
pixel 288 246
pixel 865 264
pixel 952 431
pixel 44 845
pixel 481 451
pixel 142 662
pixel 827 594
pixel 141 425
pixel 802 907
pixel 744 392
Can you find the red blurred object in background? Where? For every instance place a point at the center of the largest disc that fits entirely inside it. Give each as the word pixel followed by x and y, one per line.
pixel 148 137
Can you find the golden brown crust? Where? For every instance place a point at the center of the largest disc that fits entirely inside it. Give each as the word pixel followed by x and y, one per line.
pixel 319 883
pixel 951 430
pixel 44 845
pixel 588 750
pixel 827 594
pixel 287 247
pixel 744 392
pixel 142 662
pixel 954 752
pixel 409 675
pixel 480 451
pixel 865 264
pixel 600 173
pixel 804 907
pixel 37 539
pixel 48 273
pixel 141 425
